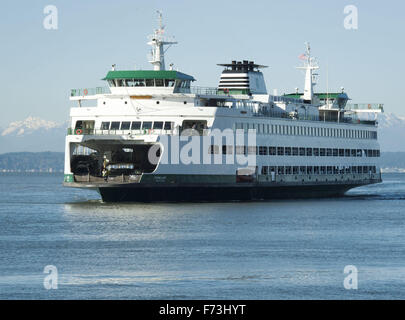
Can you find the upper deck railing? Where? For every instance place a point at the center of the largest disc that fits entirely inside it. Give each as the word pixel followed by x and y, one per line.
pixel 379 107
pixel 89 91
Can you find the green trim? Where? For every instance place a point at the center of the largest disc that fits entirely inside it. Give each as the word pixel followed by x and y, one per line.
pixel 321 96
pixel 147 74
pixel 68 178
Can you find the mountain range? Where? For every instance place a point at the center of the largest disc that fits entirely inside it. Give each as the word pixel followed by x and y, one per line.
pixel 36 135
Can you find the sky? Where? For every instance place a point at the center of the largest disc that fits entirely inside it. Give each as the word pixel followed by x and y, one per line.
pixel 40 66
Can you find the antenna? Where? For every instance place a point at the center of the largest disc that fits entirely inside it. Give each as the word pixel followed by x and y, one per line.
pixel 158 41
pixel 310 64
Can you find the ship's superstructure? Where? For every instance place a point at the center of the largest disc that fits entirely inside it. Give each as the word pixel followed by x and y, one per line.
pixel 152 136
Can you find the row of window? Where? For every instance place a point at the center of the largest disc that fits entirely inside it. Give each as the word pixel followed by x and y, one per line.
pixel 294 151
pixel 295 130
pixel 149 83
pixel 137 125
pixel 316 169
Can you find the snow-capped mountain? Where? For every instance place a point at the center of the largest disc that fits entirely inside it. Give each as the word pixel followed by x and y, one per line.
pixel 391 130
pixel 29 125
pixel 33 134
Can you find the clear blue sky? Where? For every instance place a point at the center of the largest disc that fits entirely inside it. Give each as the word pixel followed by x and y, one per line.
pixel 40 66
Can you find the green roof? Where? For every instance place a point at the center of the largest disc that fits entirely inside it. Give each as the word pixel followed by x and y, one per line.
pixel 147 74
pixel 322 96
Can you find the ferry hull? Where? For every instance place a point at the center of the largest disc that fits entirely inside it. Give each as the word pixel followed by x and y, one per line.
pixel 138 193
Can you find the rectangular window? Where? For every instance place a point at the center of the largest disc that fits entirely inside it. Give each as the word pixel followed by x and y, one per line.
pixel 309 152
pixel 168 125
pixel 136 125
pixel 158 125
pixel 240 150
pixel 105 126
pixel 316 152
pixel 213 149
pixel 302 151
pixel 347 152
pixel 316 170
pixel 341 152
pixel 159 82
pixel 309 170
pixel 287 151
pixel 280 151
pixel 263 151
pixel 335 152
pixel 288 170
pixel 265 170
pixel 328 152
pixel 295 151
pixel 169 83
pixel 295 170
pixel 125 125
pixel 322 152
pixel 150 82
pixel 272 151
pixel 353 152
pixel 146 125
pixel 227 149
pixel 139 82
pixel 252 149
pixel 115 125
pixel 280 170
pixel 303 170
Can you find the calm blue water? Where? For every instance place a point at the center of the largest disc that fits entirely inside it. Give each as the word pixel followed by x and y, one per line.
pixel 260 250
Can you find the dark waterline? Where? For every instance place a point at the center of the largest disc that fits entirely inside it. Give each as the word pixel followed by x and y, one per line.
pixel 285 249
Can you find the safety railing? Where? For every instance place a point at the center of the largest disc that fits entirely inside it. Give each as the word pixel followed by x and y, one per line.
pixel 78 131
pixel 365 106
pixel 211 91
pixel 89 91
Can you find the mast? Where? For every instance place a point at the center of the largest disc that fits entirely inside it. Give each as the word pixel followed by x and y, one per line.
pixel 158 41
pixel 309 65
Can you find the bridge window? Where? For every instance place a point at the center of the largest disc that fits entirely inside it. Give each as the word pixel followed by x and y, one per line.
pixel 139 82
pixel 150 82
pixel 169 82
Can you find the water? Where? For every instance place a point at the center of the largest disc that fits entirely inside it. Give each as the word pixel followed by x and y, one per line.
pixel 259 250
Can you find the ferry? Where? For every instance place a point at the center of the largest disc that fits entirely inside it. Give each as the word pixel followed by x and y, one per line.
pixel 151 135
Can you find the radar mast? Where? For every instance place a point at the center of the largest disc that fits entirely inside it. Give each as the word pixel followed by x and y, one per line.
pixel 158 41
